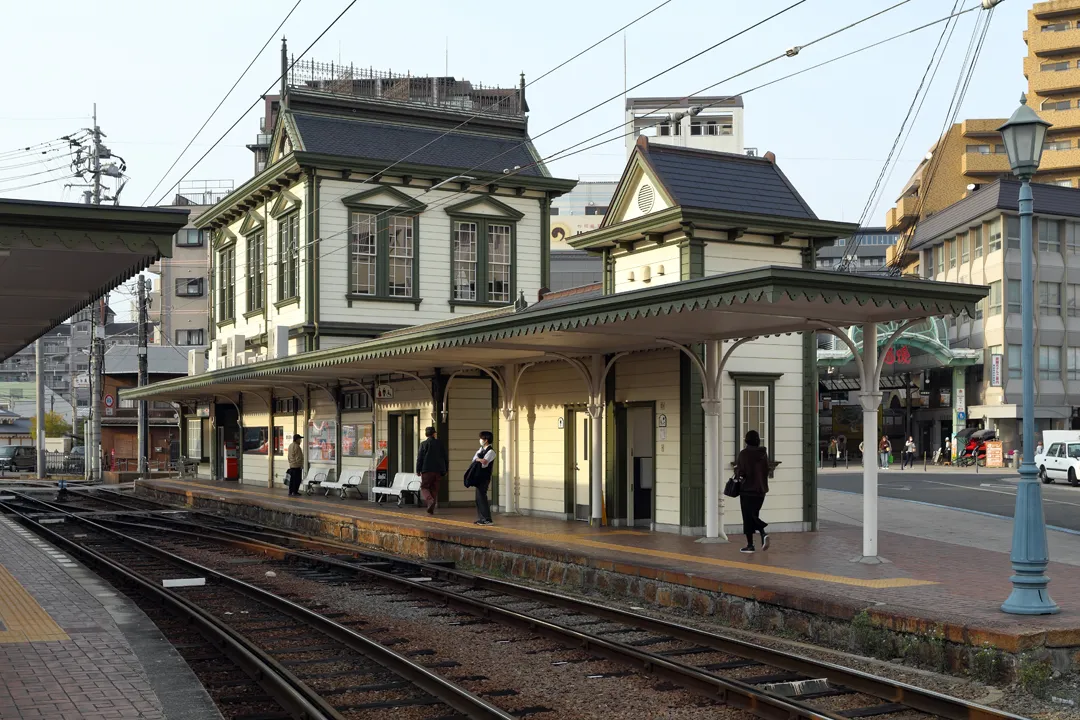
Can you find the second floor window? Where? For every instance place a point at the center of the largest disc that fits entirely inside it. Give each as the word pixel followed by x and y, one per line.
pixel 995 298
pixel 1073 363
pixel 951 244
pixel 189 287
pixel 1012 224
pixel 1016 368
pixel 189 237
pixel 482 261
pixel 1013 289
pixel 1049 362
pixel 964 255
pixel 1049 298
pixel 288 265
pixel 191 337
pixel 995 236
pixel 382 255
pixel 227 284
pixel 1049 236
pixel 978 242
pixel 256 269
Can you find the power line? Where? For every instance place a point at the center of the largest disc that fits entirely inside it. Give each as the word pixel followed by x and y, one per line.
pixel 252 106
pixel 222 101
pixel 562 154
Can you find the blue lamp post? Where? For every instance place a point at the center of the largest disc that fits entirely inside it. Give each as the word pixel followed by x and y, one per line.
pixel 1024 134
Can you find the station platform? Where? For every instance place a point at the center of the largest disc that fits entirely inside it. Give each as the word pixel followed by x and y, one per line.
pixel 806 584
pixel 72 647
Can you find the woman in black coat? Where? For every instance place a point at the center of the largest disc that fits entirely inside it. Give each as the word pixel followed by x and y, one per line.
pixel 753 471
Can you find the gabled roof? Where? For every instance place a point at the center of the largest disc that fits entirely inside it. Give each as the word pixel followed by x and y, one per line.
pixel 390 142
pixel 724 181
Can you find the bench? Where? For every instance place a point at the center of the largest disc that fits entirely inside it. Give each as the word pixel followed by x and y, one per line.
pixel 351 479
pixel 404 484
pixel 187 469
pixel 315 478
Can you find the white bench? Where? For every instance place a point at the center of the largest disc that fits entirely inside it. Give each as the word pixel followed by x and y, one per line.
pixel 315 478
pixel 404 484
pixel 351 479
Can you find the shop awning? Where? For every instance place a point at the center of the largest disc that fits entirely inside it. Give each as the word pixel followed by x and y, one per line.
pixel 759 302
pixel 55 258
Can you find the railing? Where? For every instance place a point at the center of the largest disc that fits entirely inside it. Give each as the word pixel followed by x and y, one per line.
pixel 63 463
pixel 444 92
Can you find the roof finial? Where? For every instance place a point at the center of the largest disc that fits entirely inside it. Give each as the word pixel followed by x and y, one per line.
pixel 1023 98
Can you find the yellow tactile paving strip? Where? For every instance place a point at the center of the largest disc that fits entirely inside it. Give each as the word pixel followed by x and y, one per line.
pixel 579 540
pixel 25 620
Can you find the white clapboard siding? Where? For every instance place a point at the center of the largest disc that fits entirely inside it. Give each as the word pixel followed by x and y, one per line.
pixel 750 252
pixel 664 259
pixel 470 414
pixel 654 377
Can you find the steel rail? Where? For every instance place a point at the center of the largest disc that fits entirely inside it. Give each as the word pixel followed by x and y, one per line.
pixel 270 675
pixel 888 690
pixel 447 692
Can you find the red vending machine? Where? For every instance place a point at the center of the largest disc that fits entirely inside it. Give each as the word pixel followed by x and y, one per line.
pixel 232 465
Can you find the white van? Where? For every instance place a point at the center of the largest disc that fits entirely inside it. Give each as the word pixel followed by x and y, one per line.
pixel 1060 458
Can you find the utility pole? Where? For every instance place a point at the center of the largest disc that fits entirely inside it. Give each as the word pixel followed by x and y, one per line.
pixel 39 421
pixel 96 160
pixel 93 451
pixel 144 426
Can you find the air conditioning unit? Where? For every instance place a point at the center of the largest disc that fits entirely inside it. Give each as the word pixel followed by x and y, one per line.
pixel 281 341
pixel 196 362
pixel 234 350
pixel 260 357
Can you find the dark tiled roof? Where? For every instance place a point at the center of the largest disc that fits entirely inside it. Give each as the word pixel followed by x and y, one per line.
pixel 726 181
pixel 1002 194
pixel 568 296
pixel 390 142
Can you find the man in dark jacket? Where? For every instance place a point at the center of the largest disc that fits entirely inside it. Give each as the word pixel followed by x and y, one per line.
pixel 431 464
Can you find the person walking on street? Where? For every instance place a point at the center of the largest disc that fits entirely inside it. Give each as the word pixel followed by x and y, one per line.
pixel 909 452
pixel 1039 448
pixel 296 465
pixel 480 477
pixel 431 464
pixel 833 451
pixel 947 454
pixel 753 472
pixel 884 449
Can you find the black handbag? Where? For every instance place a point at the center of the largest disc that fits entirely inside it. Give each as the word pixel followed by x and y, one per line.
pixel 733 487
pixel 469 472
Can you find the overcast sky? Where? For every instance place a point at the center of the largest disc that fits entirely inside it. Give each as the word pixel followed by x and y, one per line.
pixel 155 75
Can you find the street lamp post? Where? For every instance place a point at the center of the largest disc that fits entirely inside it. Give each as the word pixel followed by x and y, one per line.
pixel 1024 134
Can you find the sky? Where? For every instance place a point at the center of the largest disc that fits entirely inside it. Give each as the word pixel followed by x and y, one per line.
pixel 156 75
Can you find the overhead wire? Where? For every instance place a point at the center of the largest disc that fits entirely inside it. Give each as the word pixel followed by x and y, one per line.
pixel 912 114
pixel 257 100
pixel 562 154
pixel 222 101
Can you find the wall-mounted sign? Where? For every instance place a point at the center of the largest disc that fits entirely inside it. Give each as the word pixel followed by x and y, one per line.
pixel 900 355
pixel 661 421
pixel 995 370
pixel 560 423
pixel 81 381
pixel 961 404
pixel 108 411
pixel 109 401
pixel 384 392
pixel 202 410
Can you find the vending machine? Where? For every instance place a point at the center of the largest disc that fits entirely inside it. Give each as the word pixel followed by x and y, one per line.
pixel 232 463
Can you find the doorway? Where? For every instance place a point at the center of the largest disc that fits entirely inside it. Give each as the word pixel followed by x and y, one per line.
pixel 578 467
pixel 401 445
pixel 640 443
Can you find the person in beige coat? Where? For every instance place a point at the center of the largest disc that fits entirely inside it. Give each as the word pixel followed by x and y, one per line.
pixel 296 465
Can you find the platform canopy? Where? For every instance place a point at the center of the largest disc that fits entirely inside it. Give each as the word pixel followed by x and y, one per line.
pixel 56 258
pixel 752 303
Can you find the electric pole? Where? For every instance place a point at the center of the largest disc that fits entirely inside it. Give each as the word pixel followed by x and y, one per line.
pixel 144 421
pixel 96 160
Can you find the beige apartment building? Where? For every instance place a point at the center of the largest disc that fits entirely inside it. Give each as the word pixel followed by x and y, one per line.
pixel 971 153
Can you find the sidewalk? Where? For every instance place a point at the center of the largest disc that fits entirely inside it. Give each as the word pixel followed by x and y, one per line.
pixel 969 470
pixel 946 576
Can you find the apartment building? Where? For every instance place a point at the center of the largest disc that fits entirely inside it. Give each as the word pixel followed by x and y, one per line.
pixel 180 299
pixel 704 122
pixel 971 153
pixel 869 256
pixel 977 241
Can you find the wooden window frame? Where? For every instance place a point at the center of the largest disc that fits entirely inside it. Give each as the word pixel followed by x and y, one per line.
pixel 463 213
pixel 382 216
pixel 225 302
pixel 743 380
pixel 256 272
pixel 288 267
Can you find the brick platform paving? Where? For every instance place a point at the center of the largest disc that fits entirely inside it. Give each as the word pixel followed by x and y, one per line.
pixel 62 654
pixel 927 587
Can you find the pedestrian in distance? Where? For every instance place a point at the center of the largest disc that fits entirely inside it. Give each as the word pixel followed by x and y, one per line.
pixel 431 464
pixel 833 451
pixel 478 477
pixel 296 465
pixel 1039 448
pixel 884 450
pixel 909 452
pixel 752 469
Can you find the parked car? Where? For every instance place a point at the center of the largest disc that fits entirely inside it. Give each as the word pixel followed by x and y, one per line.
pixel 18 458
pixel 1060 459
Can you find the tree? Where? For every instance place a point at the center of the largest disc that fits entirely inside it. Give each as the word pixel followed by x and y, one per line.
pixel 55 426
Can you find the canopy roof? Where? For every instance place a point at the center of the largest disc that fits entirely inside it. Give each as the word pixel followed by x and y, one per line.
pixel 55 258
pixel 758 302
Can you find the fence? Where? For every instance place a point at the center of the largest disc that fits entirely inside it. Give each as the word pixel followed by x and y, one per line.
pixel 445 92
pixel 64 463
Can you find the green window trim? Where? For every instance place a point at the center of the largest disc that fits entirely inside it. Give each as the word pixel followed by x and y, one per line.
pixel 256 272
pixel 383 218
pixel 481 264
pixel 768 381
pixel 287 302
pixel 288 265
pixel 226 298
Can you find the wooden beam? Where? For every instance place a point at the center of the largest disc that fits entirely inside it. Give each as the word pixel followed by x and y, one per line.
pixel 657 238
pixel 688 229
pixel 346 174
pixel 736 233
pixel 781 238
pixel 406 179
pixel 491 188
pixel 377 177
pixel 519 191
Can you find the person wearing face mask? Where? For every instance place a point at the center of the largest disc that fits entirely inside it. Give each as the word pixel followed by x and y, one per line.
pixel 480 477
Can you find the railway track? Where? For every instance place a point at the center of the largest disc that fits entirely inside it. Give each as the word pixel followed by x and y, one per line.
pixel 766 682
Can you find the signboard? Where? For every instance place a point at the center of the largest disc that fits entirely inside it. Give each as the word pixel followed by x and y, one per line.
pixel 108 411
pixel 995 370
pixel 995 458
pixel 202 410
pixel 384 392
pixel 109 402
pixel 81 381
pixel 961 405
pixel 961 416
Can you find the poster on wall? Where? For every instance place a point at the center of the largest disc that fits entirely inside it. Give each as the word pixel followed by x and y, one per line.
pixel 357 440
pixel 995 370
pixel 279 440
pixel 322 441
